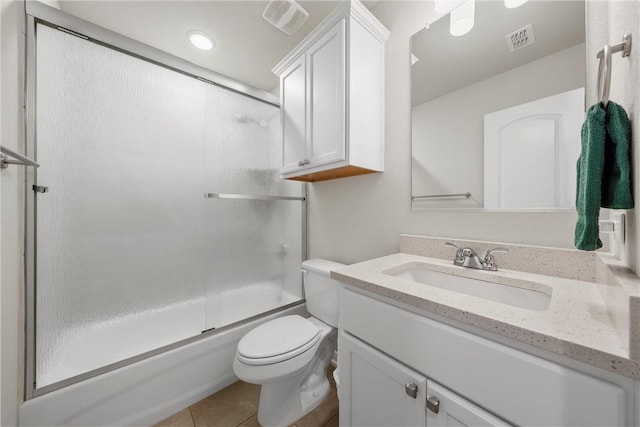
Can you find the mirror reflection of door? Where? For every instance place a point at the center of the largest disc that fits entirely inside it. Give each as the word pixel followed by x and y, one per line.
pixel 530 153
pixel 456 81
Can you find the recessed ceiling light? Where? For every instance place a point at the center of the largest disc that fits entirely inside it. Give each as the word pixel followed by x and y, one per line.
pixel 201 40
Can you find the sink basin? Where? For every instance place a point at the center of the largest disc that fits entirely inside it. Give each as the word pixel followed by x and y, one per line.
pixel 505 294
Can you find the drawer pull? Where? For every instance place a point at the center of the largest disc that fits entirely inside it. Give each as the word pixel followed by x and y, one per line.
pixel 303 162
pixel 411 389
pixel 433 404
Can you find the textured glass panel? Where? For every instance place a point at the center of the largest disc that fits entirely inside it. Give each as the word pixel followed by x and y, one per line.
pixel 243 146
pixel 254 246
pixel 120 244
pixel 255 253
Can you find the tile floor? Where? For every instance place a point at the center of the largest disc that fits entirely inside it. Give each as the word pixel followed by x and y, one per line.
pixel 237 406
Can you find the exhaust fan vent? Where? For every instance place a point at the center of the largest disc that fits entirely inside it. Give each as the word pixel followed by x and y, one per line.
pixel 286 15
pixel 520 38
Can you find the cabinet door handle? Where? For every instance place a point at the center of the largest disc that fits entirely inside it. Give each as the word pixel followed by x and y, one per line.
pixel 303 162
pixel 411 389
pixel 433 404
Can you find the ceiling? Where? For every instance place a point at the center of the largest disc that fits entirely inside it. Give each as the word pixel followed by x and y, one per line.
pixel 447 63
pixel 248 47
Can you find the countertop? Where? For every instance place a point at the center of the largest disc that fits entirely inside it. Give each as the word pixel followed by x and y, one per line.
pixel 579 323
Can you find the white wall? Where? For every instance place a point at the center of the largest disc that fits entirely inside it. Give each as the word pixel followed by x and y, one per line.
pixel 11 286
pixel 608 21
pixel 353 219
pixel 448 149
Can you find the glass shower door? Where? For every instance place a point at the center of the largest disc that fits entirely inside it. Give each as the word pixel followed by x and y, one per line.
pixel 254 219
pixel 165 214
pixel 120 256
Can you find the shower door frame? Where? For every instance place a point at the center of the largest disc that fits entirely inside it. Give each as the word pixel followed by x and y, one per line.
pixel 39 13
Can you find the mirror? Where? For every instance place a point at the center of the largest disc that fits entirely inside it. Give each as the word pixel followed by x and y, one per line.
pixel 494 129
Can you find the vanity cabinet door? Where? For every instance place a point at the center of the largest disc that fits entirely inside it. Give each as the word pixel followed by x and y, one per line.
pixel 376 390
pixel 447 409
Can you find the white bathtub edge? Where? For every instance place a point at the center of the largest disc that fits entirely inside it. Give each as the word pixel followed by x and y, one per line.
pixel 147 391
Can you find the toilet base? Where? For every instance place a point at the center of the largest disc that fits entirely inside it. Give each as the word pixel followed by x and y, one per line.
pixel 283 402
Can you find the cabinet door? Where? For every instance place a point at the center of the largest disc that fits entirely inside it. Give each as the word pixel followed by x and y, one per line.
pixel 375 390
pixel 447 409
pixel 326 74
pixel 293 95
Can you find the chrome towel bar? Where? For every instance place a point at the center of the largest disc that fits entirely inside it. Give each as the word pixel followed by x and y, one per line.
pixel 249 197
pixel 432 196
pixel 5 161
pixel 604 67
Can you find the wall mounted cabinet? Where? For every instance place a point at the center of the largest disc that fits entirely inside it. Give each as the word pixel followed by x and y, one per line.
pixel 332 98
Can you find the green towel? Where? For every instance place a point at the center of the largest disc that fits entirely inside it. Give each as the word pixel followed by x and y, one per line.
pixel 603 170
pixel 589 183
pixel 616 177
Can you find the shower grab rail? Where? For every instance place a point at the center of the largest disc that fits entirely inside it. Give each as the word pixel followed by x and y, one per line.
pixel 250 197
pixel 604 67
pixel 19 159
pixel 433 196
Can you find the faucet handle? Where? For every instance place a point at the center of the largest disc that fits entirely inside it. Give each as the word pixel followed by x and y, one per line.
pixel 489 262
pixel 459 255
pixel 455 245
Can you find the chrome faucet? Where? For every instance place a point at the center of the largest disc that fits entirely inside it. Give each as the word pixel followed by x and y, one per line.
pixel 467 257
pixel 489 263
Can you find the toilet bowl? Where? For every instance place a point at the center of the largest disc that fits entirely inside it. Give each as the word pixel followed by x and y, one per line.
pixel 289 356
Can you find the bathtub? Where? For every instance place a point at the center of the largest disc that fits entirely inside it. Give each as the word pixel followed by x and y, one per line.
pixel 91 346
pixel 149 390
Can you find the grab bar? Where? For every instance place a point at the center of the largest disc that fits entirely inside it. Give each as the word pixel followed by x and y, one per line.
pixel 604 67
pixel 431 196
pixel 249 197
pixel 20 159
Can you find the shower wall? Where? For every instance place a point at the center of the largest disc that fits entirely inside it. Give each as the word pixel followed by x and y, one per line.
pixel 130 254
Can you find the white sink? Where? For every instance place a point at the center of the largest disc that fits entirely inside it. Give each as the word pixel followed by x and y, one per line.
pixel 505 294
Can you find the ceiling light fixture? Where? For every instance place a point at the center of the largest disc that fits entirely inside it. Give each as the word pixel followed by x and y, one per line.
pixel 462 18
pixel 446 6
pixel 200 39
pixel 512 4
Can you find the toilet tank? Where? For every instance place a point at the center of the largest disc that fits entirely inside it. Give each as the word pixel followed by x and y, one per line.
pixel 321 291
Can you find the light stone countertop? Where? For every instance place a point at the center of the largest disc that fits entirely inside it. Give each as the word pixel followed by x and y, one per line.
pixel 578 324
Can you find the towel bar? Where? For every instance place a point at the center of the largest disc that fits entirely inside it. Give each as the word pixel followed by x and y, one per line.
pixel 604 67
pixel 19 159
pixel 250 197
pixel 466 195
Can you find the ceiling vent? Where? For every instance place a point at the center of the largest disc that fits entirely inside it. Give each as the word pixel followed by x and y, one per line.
pixel 520 38
pixel 286 15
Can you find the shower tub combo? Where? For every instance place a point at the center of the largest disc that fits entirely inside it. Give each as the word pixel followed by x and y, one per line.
pixel 165 233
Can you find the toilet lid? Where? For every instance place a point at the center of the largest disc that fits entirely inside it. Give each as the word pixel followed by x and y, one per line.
pixel 278 337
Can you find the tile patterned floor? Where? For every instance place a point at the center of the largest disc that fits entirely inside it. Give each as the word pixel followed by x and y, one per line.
pixel 237 406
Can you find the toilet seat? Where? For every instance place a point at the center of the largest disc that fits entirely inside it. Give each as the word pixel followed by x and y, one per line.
pixel 278 340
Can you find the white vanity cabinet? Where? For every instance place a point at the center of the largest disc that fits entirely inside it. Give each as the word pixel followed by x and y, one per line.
pixel 447 409
pixel 332 98
pixel 467 379
pixel 383 392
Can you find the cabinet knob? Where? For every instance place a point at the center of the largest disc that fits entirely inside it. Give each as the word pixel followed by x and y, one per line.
pixel 411 389
pixel 433 404
pixel 303 162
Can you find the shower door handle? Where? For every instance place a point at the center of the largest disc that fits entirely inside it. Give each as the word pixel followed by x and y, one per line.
pixel 40 189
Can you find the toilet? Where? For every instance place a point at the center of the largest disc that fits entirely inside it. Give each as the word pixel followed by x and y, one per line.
pixel 288 356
